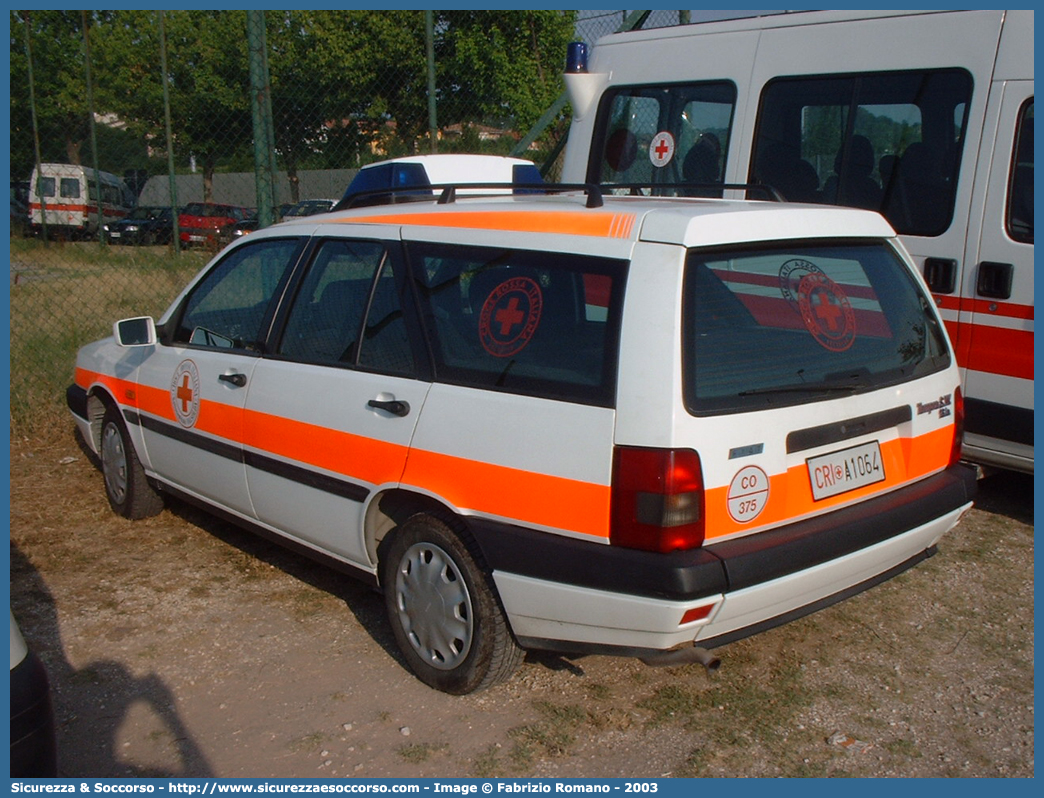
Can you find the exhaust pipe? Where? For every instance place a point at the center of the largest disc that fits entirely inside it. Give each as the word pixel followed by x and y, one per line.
pixel 683 656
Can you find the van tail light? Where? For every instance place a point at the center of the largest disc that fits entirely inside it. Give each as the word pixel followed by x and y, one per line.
pixel 958 427
pixel 657 499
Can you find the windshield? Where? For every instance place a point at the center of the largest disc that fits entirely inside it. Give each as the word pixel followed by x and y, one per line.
pixel 773 326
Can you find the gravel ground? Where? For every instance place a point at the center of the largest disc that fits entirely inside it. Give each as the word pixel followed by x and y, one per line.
pixel 183 647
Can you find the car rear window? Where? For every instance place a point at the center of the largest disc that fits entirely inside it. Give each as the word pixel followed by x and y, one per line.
pixel 780 325
pixel 536 323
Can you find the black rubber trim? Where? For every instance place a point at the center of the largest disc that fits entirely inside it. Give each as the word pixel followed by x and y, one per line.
pixel 76 398
pixel 305 476
pixel 294 473
pixel 555 558
pixel 182 435
pixel 803 439
pixel 765 556
pixel 728 566
pixel 995 420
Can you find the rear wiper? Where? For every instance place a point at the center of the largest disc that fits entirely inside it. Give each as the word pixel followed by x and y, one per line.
pixel 805 387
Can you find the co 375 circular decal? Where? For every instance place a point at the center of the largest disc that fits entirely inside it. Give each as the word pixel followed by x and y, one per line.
pixel 748 494
pixel 184 393
pixel 510 315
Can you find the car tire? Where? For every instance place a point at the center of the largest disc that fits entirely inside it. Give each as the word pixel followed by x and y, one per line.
pixel 126 485
pixel 444 610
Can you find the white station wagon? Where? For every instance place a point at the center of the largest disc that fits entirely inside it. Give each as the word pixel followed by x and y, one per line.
pixel 625 425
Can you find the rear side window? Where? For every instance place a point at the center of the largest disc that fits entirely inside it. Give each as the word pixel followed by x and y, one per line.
pixel 775 326
pixel 1020 195
pixel 535 323
pixel 891 142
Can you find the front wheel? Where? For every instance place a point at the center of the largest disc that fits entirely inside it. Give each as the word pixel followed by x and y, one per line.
pixel 443 609
pixel 126 485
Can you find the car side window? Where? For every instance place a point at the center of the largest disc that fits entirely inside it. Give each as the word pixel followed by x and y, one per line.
pixel 228 308
pixel 536 323
pixel 347 311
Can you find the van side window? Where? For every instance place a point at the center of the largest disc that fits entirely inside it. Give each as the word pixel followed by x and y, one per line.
pixel 690 123
pixel 326 323
pixel 1020 190
pixel 535 323
pixel 890 142
pixel 228 308
pixel 70 187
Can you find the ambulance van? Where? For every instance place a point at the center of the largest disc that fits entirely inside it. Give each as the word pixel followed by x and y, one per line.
pixel 559 420
pixel 67 198
pixel 925 117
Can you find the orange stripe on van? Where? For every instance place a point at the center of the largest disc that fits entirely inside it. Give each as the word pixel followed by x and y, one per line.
pixel 591 223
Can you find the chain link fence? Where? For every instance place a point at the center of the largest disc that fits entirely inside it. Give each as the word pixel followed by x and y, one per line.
pixel 127 113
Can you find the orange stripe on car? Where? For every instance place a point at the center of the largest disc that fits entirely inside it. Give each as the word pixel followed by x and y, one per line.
pixel 790 494
pixel 602 225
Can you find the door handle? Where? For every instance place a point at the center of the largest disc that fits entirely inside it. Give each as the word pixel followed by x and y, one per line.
pixel 393 406
pixel 239 380
pixel 995 280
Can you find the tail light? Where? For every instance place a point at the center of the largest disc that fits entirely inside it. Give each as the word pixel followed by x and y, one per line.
pixel 958 427
pixel 657 499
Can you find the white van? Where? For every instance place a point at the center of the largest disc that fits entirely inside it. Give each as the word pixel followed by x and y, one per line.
pixel 69 196
pixel 926 117
pixel 625 425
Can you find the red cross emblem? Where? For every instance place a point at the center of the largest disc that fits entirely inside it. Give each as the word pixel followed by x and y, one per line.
pixel 826 312
pixel 661 149
pixel 184 393
pixel 510 315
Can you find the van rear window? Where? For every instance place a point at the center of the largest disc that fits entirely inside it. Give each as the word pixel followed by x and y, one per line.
pixel 782 325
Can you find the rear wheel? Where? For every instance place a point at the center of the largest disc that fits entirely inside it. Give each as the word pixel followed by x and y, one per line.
pixel 443 609
pixel 126 485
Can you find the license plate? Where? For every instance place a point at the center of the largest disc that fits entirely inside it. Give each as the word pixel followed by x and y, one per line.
pixel 197 238
pixel 114 235
pixel 845 470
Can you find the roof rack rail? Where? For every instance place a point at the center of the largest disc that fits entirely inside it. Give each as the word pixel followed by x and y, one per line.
pixel 692 190
pixel 447 193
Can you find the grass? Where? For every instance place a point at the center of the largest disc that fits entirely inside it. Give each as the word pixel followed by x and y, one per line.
pixel 66 295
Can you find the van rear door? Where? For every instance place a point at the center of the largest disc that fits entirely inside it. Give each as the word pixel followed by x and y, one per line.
pixel 995 342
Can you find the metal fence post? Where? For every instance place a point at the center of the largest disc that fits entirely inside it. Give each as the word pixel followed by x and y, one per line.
pixel 36 129
pixel 94 134
pixel 175 231
pixel 260 105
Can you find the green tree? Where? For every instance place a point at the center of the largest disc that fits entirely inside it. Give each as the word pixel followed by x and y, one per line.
pixel 501 65
pixel 56 42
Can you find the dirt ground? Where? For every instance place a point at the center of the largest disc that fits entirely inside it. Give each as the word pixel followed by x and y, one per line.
pixel 183 647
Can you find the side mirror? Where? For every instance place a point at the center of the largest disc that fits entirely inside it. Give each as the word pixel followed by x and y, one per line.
pixel 135 332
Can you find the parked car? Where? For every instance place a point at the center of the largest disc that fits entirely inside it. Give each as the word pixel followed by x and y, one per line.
pixel 572 422
pixel 144 226
pixel 423 171
pixel 309 207
pixel 34 748
pixel 208 223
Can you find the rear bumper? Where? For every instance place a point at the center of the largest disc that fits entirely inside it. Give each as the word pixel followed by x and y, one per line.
pixel 571 595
